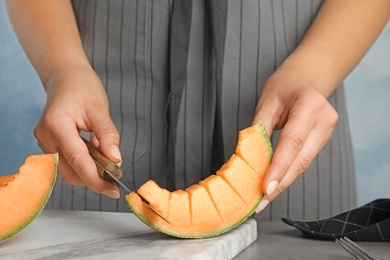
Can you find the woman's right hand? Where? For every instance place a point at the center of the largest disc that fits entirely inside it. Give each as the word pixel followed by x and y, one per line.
pixel 76 100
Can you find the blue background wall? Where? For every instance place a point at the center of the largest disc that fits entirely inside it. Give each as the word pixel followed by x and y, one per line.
pixel 368 100
pixel 368 97
pixel 21 100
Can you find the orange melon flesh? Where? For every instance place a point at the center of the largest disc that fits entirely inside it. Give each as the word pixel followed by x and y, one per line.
pixel 158 197
pixel 203 212
pixel 24 194
pixel 179 209
pixel 145 214
pixel 253 144
pixel 218 203
pixel 226 200
pixel 242 178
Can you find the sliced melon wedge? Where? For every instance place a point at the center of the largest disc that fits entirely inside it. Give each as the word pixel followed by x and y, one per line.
pixel 246 182
pixel 253 146
pixel 217 204
pixel 225 199
pixel 180 200
pixel 24 194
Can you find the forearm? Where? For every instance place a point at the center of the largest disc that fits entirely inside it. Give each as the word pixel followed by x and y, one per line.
pixel 48 32
pixel 339 37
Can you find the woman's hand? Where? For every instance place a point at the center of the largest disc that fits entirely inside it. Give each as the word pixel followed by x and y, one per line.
pixel 289 101
pixel 76 101
pixel 294 97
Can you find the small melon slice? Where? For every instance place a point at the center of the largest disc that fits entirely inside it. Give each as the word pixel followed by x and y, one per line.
pixel 24 194
pixel 154 193
pixel 218 203
pixel 203 212
pixel 226 200
pixel 179 209
pixel 253 144
pixel 242 178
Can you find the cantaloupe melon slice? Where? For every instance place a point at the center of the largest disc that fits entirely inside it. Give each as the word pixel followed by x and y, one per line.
pixel 24 194
pixel 218 203
pixel 204 215
pixel 180 200
pixel 225 199
pixel 253 144
pixel 244 183
pixel 154 193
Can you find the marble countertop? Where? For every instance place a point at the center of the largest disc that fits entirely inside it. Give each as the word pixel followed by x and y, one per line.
pixel 277 240
pixel 56 234
pixel 59 234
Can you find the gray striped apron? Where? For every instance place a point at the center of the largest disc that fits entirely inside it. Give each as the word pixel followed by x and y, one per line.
pixel 128 44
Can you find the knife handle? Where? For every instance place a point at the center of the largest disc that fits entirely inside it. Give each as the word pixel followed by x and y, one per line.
pixel 108 165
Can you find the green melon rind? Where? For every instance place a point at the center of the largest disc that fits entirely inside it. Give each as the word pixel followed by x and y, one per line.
pixel 201 235
pixel 266 138
pixel 39 210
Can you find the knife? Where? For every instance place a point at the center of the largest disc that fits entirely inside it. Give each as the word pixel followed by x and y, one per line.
pixel 110 171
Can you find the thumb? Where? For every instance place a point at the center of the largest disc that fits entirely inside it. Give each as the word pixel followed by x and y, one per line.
pixel 265 114
pixel 107 137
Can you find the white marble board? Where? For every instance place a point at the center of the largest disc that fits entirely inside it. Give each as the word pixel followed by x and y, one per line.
pixel 56 234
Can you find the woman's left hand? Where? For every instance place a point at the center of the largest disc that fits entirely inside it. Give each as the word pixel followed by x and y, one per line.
pixel 290 101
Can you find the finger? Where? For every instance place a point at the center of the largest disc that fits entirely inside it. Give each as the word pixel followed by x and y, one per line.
pixel 106 135
pixel 76 154
pixel 94 141
pixel 66 171
pixel 301 163
pixel 291 141
pixel 268 114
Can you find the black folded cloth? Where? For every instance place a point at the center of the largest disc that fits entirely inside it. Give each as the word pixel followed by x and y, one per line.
pixel 370 222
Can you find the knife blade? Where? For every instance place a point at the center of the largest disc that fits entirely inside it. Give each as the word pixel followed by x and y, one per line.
pixel 110 171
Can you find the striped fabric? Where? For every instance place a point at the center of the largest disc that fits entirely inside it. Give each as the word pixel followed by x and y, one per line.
pixel 127 43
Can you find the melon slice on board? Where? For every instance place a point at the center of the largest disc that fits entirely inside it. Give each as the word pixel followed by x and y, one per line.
pixel 216 204
pixel 24 194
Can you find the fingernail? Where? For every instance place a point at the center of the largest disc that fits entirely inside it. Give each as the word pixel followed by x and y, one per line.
pixel 112 194
pixel 271 187
pixel 115 152
pixel 261 206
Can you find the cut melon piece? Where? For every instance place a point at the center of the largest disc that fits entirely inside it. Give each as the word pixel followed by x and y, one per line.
pixel 242 178
pixel 156 194
pixel 204 215
pixel 179 209
pixel 225 199
pixel 24 194
pixel 253 144
pixel 216 204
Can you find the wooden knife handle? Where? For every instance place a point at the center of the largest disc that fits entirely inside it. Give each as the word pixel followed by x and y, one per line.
pixel 108 165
